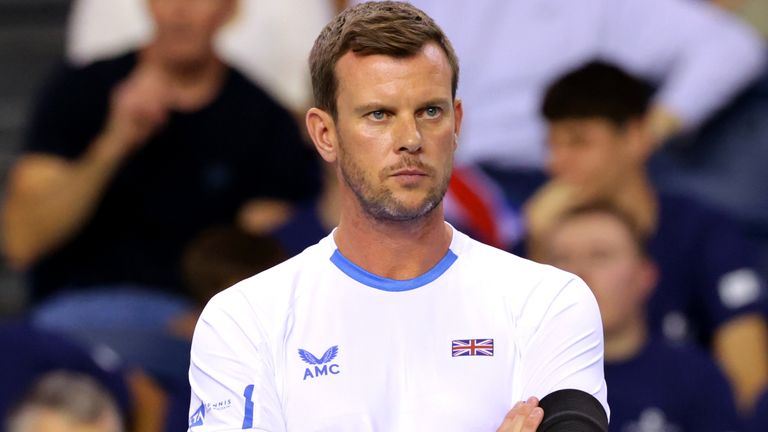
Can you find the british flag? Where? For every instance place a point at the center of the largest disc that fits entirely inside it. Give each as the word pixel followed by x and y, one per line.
pixel 472 347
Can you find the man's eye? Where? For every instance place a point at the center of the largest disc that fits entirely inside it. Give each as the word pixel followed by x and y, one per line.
pixel 377 115
pixel 432 111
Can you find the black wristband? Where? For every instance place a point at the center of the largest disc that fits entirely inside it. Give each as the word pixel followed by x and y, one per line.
pixel 572 411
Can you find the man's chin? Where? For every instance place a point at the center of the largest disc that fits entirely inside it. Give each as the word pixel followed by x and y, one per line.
pixel 404 212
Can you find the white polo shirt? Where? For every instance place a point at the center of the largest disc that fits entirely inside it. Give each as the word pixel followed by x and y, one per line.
pixel 319 344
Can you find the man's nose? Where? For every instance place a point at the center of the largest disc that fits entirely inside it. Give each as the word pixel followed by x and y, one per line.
pixel 408 136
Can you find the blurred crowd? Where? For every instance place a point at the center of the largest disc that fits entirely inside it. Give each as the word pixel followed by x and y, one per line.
pixel 165 159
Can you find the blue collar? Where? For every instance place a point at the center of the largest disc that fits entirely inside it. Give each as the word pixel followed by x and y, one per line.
pixel 385 284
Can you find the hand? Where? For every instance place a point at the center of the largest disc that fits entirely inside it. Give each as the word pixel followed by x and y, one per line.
pixel 542 211
pixel 523 417
pixel 262 216
pixel 139 107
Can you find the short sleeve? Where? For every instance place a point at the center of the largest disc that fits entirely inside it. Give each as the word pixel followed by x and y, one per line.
pixel 729 283
pixel 68 113
pixel 231 372
pixel 565 351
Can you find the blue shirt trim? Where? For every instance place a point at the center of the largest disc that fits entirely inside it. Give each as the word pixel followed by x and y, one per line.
pixel 385 284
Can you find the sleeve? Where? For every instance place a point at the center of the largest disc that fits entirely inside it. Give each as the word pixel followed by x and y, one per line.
pixel 67 115
pixel 565 350
pixel 231 372
pixel 728 281
pixel 683 44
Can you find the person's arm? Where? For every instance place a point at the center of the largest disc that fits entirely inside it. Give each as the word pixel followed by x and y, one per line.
pixel 231 366
pixel 50 197
pixel 741 349
pixel 684 46
pixel 733 295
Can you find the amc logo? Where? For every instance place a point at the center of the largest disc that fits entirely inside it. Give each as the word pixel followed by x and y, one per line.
pixel 320 365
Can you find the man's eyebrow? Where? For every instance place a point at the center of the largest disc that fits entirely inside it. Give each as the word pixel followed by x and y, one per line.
pixel 440 102
pixel 372 106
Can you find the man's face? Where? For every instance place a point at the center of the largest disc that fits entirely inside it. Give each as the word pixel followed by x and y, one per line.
pixel 396 130
pixel 599 248
pixel 590 154
pixel 184 29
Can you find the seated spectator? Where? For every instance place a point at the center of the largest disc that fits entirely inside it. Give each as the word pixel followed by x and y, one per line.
pixel 66 402
pixel 128 159
pixel 653 384
pixel 268 40
pixel 708 289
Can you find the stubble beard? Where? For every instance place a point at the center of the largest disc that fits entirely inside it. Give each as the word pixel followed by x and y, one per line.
pixel 380 202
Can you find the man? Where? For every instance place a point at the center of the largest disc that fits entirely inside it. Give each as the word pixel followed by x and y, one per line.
pixel 709 291
pixel 654 385
pixel 396 321
pixel 128 159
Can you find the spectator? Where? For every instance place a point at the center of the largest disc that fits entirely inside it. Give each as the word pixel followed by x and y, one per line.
pixel 708 289
pixel 66 402
pixel 268 40
pixel 128 159
pixel 654 385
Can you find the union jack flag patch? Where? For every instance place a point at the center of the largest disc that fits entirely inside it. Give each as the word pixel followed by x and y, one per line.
pixel 472 347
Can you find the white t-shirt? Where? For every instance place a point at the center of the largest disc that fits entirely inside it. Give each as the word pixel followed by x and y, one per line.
pixel 319 344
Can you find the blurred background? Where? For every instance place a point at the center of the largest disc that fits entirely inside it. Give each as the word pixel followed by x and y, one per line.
pixel 32 35
pixel 704 117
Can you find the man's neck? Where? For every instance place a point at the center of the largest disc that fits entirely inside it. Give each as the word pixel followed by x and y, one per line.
pixel 397 250
pixel 194 83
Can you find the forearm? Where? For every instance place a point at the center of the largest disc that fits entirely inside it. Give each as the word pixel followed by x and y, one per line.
pixel 49 199
pixel 741 349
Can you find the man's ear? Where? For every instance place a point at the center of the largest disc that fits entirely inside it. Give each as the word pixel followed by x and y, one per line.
pixel 648 278
pixel 322 129
pixel 458 115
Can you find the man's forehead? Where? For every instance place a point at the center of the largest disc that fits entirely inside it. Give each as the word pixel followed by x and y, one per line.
pixel 379 73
